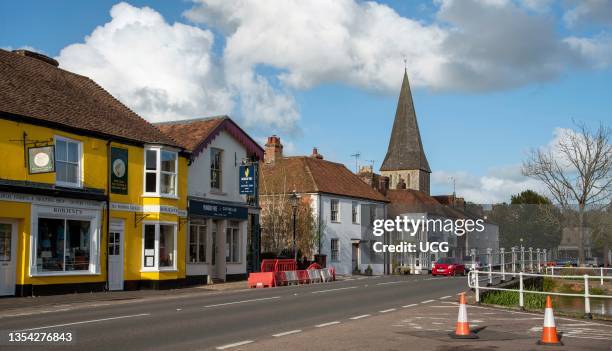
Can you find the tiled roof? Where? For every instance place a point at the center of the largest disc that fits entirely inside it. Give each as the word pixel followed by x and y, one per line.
pixel 312 175
pixel 33 89
pixel 196 134
pixel 414 201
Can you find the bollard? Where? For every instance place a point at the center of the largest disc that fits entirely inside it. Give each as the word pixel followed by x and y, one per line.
pixel 503 264
pixel 521 300
pixel 587 300
pixel 476 283
pixel 490 262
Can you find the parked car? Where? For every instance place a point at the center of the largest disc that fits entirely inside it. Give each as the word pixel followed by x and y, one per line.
pixel 469 265
pixel 448 266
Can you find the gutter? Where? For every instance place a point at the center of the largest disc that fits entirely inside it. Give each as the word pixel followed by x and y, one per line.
pixel 108 181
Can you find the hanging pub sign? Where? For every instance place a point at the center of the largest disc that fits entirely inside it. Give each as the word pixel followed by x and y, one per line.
pixel 41 159
pixel 119 171
pixel 247 180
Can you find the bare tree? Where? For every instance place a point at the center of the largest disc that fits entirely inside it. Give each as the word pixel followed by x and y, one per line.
pixel 576 171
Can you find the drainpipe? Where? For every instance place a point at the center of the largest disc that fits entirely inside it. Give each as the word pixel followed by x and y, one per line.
pixel 108 181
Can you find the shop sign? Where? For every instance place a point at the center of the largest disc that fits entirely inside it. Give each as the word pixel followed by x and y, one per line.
pixel 41 159
pixel 119 171
pixel 247 180
pixel 217 210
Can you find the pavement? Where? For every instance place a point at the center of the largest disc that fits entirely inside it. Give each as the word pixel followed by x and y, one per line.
pixel 362 313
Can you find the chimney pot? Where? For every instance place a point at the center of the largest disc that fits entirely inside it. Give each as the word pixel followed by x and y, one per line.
pixel 274 150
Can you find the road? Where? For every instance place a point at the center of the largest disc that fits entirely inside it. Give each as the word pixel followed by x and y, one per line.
pixel 233 317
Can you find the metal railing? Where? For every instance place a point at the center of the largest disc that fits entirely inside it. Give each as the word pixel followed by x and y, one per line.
pixel 474 283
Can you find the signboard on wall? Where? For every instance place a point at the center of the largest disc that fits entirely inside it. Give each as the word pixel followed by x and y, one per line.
pixel 119 171
pixel 216 210
pixel 247 180
pixel 41 159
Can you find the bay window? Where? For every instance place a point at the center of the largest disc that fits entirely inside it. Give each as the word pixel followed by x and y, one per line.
pixel 159 246
pixel 161 168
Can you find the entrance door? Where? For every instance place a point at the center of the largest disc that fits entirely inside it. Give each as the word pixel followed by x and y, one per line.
pixel 355 256
pixel 115 256
pixel 8 257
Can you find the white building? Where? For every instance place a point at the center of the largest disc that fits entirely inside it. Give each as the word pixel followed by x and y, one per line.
pixel 342 203
pixel 222 222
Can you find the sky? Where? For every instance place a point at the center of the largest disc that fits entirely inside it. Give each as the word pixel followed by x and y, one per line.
pixel 491 79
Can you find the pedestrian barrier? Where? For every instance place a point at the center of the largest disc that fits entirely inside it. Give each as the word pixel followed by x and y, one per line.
pixel 292 277
pixel 280 278
pixel 303 276
pixel 462 328
pixel 314 266
pixel 314 275
pixel 267 265
pixel 285 265
pixel 261 280
pixel 326 275
pixel 549 331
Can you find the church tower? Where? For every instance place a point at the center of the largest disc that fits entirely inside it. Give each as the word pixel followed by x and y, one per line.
pixel 405 163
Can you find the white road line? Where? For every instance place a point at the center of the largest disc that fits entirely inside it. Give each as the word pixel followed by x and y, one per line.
pixel 359 317
pixel 243 301
pixel 427 301
pixel 411 305
pixel 326 324
pixel 240 343
pixel 323 291
pixel 395 282
pixel 445 297
pixel 389 310
pixel 287 333
pixel 85 322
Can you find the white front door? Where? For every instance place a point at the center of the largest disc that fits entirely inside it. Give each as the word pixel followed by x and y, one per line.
pixel 115 256
pixel 8 257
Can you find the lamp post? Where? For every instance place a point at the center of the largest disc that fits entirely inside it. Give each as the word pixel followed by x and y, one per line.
pixel 293 200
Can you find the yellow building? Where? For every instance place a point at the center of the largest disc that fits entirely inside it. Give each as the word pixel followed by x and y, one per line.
pixel 92 197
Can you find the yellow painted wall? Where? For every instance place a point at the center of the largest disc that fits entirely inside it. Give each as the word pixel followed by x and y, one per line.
pixel 13 167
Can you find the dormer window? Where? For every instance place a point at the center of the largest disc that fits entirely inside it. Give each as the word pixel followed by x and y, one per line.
pixel 160 172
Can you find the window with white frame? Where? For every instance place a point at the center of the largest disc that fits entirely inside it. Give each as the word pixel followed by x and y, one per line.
pixel 232 242
pixel 334 249
pixel 216 163
pixel 355 212
pixel 161 168
pixel 67 162
pixel 334 210
pixel 197 243
pixel 159 246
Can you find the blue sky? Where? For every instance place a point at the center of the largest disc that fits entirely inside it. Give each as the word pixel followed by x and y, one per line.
pixel 485 90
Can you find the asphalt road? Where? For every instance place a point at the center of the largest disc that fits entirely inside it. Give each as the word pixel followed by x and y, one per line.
pixel 220 320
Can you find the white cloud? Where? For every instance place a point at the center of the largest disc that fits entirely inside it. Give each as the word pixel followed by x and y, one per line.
pixel 162 71
pixel 597 51
pixel 589 12
pixel 495 187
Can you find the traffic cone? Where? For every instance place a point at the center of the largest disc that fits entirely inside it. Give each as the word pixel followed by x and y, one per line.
pixel 462 330
pixel 549 331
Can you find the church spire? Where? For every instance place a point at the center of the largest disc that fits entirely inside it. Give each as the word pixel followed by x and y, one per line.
pixel 405 151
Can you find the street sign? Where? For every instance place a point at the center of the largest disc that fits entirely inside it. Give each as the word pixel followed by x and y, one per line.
pixel 247 180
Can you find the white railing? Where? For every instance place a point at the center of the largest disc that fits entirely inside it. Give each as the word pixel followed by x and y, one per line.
pixel 603 271
pixel 474 283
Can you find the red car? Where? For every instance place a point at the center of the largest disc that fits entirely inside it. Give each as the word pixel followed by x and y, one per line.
pixel 448 266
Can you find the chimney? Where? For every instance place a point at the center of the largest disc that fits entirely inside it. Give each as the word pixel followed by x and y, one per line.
pixel 274 150
pixel 37 56
pixel 316 154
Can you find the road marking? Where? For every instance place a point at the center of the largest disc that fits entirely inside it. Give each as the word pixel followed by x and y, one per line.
pixel 326 324
pixel 240 343
pixel 427 301
pixel 395 282
pixel 359 317
pixel 287 333
pixel 445 297
pixel 389 310
pixel 337 289
pixel 243 301
pixel 411 305
pixel 85 322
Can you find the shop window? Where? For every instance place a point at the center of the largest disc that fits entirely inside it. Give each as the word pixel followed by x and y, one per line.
pixel 63 245
pixel 216 163
pixel 232 242
pixel 197 243
pixel 334 209
pixel 159 246
pixel 355 212
pixel 160 172
pixel 335 249
pixel 67 162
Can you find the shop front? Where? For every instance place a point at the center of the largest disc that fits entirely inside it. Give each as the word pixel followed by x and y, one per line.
pixel 217 241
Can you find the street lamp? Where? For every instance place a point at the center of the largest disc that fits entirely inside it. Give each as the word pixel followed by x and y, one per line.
pixel 293 200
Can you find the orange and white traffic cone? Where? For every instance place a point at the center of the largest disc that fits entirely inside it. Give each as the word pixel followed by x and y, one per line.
pixel 462 329
pixel 549 331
